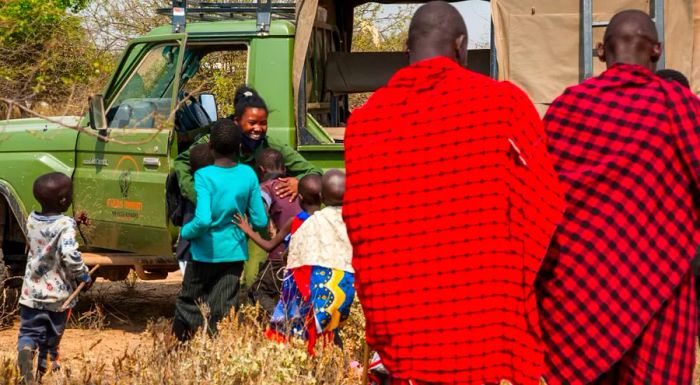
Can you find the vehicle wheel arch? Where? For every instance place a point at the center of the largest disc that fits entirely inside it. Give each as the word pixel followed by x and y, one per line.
pixel 11 209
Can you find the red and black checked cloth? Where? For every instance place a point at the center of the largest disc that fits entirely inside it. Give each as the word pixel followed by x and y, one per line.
pixel 449 224
pixel 627 147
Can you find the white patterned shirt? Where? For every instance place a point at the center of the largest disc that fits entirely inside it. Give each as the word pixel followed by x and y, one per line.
pixel 53 264
pixel 322 240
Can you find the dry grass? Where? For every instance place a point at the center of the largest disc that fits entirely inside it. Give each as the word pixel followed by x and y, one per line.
pixel 91 319
pixel 9 298
pixel 240 354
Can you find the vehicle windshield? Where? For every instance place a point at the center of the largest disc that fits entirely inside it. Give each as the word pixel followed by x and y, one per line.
pixel 145 100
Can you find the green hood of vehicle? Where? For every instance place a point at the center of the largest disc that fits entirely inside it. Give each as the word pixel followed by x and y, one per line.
pixel 38 135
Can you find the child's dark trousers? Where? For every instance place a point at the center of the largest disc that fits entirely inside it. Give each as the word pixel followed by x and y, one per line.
pixel 41 330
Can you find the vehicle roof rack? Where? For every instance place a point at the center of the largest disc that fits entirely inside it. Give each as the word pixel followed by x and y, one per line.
pixel 263 11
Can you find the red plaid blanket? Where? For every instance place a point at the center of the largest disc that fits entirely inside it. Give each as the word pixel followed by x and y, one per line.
pixel 627 147
pixel 450 204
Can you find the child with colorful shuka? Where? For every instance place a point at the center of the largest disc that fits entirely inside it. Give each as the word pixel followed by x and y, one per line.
pixel 54 265
pixel 218 247
pixel 317 291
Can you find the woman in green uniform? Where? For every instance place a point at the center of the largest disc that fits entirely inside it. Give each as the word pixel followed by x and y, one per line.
pixel 251 116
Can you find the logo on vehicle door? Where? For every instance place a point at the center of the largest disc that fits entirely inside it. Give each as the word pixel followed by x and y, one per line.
pixel 125 183
pixel 122 208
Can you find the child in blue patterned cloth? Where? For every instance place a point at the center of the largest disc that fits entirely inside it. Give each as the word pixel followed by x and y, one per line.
pixel 54 264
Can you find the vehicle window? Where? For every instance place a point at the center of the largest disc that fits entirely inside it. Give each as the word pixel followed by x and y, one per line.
pixel 221 70
pixel 146 98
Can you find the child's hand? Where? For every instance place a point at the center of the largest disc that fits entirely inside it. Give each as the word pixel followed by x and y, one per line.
pixel 242 223
pixel 82 219
pixel 87 280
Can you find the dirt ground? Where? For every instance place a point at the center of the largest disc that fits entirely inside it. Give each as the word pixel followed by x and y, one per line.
pixel 109 319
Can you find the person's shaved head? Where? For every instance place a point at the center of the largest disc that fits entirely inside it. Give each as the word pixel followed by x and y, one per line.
pixel 437 29
pixel 630 38
pixel 310 190
pixel 54 192
pixel 333 188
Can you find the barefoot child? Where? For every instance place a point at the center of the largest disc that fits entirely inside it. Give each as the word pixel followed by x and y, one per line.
pixel 54 264
pixel 219 248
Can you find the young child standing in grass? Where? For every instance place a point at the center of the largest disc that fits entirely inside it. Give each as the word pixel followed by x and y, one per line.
pixel 54 264
pixel 218 247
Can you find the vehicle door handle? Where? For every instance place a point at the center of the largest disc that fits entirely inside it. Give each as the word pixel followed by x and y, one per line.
pixel 151 162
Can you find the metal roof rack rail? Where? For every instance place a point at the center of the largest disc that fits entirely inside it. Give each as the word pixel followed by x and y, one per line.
pixel 262 11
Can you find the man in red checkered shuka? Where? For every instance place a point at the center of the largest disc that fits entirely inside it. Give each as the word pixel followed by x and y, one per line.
pixel 450 203
pixel 616 289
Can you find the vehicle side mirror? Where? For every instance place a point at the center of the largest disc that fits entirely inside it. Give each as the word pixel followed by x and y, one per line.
pixel 208 102
pixel 98 120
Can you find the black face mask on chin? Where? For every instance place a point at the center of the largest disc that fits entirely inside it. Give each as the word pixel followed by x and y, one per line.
pixel 251 144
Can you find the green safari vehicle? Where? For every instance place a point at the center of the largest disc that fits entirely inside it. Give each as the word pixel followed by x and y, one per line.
pixel 298 58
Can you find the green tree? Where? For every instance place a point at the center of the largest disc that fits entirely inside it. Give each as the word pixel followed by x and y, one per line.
pixel 376 30
pixel 45 54
pixel 113 24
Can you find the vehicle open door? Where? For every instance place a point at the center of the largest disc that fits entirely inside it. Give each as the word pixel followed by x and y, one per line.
pixel 123 159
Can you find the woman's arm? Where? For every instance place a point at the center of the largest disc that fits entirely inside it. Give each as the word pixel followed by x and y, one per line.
pixel 267 245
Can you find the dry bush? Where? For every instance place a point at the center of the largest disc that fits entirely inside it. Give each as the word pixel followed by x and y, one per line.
pixel 46 61
pixel 240 354
pixel 91 319
pixel 9 298
pixel 95 317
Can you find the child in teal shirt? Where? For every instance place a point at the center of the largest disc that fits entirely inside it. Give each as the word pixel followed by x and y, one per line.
pixel 218 247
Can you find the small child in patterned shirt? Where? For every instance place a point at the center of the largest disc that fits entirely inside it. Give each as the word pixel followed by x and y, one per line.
pixel 54 264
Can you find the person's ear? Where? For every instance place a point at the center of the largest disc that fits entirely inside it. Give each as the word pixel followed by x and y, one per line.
pixel 458 44
pixel 461 47
pixel 600 52
pixel 656 50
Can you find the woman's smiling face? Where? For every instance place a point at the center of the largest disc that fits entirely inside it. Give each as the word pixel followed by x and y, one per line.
pixel 253 123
